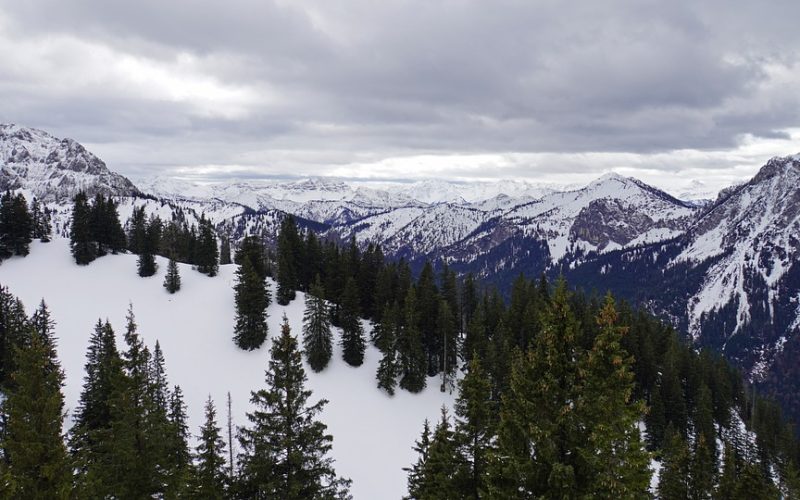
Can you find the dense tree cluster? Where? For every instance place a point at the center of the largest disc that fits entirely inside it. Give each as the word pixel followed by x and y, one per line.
pixel 19 224
pixel 130 437
pixel 95 229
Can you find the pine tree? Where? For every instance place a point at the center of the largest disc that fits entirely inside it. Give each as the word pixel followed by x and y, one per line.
pixel 673 483
pixel 317 328
pixel 474 431
pixel 32 440
pixel 539 431
pixel 412 360
pixel 353 343
pixel 387 344
pixel 416 473
pixel 251 248
pixel 210 480
pixel 16 225
pixel 91 434
pixel 446 325
pixel 441 463
pixel 225 251
pixel 172 280
pixel 252 299
pixel 726 488
pixel 83 247
pixel 617 463
pixel 146 265
pixel 207 253
pixel 179 470
pixel 702 471
pixel 284 451
pixel 288 249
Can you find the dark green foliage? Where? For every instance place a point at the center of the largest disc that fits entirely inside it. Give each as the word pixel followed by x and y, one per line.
pixel 412 360
pixel 14 335
pixel 417 481
pixel 172 280
pixel 148 246
pixel 439 469
pixel 252 249
pixel 16 225
pixel 474 431
pixel 40 221
pixel 225 251
pixel 284 450
pixel 447 328
pixel 84 249
pixel 210 481
pixel 353 343
pixel 317 343
pixel 387 344
pixel 178 458
pixel 673 482
pixel 206 254
pixel 252 299
pixel 35 464
pixel 289 253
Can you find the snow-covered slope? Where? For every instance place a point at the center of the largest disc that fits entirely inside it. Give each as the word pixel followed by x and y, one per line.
pixel 373 433
pixel 54 169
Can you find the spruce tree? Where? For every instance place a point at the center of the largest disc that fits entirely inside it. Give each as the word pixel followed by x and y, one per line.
pixel 441 463
pixel 416 473
pixel 172 280
pixel 288 250
pixel 387 344
pixel 317 328
pixel 353 342
pixel 251 248
pixel 210 481
pixel 16 225
pixel 285 449
pixel 225 251
pixel 613 453
pixel 673 481
pixel 252 299
pixel 702 470
pixel 207 254
pixel 37 465
pixel 446 325
pixel 84 249
pixel 412 360
pixel 179 470
pixel 474 431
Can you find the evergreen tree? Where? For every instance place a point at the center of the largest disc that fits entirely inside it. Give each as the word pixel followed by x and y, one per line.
pixel 446 325
pixel 83 247
pixel 251 248
pixel 673 483
pixel 417 484
pixel 702 471
pixel 146 265
pixel 288 250
pixel 37 465
pixel 412 359
pixel 387 344
pixel 353 343
pixel 317 328
pixel 16 225
pixel 252 300
pixel 225 251
pixel 617 465
pixel 539 431
pixel 40 222
pixel 284 451
pixel 179 460
pixel 726 488
pixel 210 479
pixel 172 280
pixel 207 254
pixel 474 431
pixel 440 464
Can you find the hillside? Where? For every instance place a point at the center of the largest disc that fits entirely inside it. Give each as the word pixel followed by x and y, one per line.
pixel 194 328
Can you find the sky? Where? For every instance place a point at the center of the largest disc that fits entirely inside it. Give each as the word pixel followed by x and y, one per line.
pixel 546 91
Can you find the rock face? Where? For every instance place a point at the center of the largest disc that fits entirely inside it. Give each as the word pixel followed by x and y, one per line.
pixel 54 169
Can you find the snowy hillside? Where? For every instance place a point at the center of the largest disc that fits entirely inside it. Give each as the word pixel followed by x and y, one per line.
pixel 53 169
pixel 373 433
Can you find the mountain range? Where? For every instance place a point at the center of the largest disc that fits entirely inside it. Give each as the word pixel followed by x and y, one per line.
pixel 724 272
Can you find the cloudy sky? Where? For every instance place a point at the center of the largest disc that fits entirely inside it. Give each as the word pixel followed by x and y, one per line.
pixel 541 90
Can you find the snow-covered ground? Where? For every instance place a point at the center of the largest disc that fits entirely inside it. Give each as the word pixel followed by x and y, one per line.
pixel 373 433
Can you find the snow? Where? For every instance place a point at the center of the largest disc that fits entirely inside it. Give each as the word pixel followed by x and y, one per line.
pixel 373 433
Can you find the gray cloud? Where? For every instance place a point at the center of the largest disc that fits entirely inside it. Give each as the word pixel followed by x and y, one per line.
pixel 280 87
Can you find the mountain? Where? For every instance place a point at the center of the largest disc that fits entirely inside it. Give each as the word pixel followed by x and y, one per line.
pixel 731 280
pixel 725 272
pixel 54 169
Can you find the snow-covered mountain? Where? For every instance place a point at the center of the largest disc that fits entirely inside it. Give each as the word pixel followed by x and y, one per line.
pixel 54 169
pixel 725 272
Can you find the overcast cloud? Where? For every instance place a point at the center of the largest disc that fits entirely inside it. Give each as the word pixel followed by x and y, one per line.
pixel 543 90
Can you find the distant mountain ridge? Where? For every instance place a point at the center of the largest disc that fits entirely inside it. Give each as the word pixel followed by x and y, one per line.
pixel 725 272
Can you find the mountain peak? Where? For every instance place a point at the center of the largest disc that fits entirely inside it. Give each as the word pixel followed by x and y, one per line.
pixel 54 169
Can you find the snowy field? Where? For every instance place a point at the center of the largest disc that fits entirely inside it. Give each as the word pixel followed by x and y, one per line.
pixel 373 433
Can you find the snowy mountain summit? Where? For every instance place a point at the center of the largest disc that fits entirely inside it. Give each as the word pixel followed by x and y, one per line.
pixel 54 169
